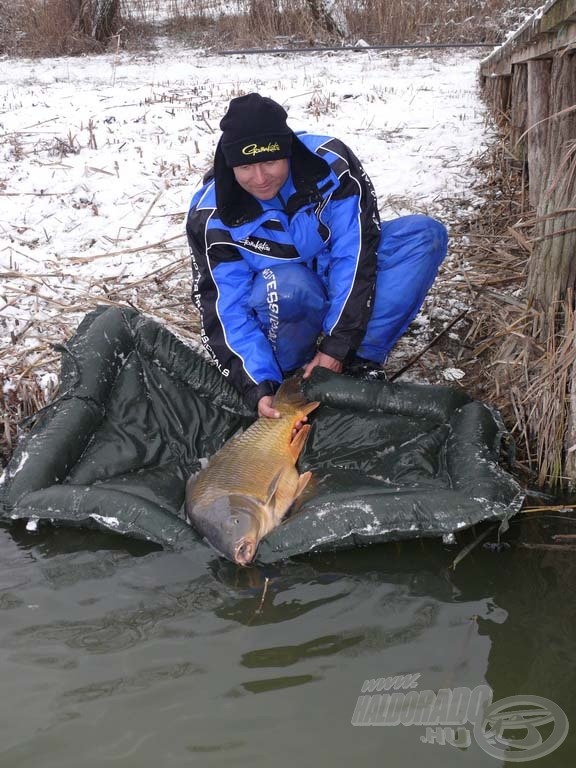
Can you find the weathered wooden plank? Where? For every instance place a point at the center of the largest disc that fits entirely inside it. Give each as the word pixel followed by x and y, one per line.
pixel 497 92
pixel 538 87
pixel 556 13
pixel 552 266
pixel 545 46
pixel 519 110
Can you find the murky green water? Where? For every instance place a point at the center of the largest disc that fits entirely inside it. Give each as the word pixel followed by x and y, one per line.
pixel 111 653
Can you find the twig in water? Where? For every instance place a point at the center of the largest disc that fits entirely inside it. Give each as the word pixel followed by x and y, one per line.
pixel 259 609
pixel 462 554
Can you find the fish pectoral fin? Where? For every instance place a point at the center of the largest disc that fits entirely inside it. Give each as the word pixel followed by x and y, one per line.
pixel 309 407
pixel 303 481
pixel 284 489
pixel 299 441
pixel 272 488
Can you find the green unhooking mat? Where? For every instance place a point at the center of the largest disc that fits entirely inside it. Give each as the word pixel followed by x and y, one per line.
pixel 139 412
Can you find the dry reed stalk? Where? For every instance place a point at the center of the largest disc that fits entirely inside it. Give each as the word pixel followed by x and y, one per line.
pixel 500 332
pixel 125 251
pixel 548 388
pixel 18 401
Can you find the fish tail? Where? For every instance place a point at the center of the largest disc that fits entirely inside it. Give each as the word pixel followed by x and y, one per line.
pixel 290 394
pixel 290 390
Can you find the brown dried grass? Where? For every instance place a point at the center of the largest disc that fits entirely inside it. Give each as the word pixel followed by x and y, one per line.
pixel 162 294
pixel 50 27
pixel 301 22
pixel 522 357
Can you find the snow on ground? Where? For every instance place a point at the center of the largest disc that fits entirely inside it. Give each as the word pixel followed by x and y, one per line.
pixel 99 157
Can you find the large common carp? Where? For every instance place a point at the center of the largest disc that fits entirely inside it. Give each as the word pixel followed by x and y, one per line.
pixel 251 482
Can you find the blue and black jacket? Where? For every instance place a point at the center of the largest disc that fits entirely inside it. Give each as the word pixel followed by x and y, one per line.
pixel 325 216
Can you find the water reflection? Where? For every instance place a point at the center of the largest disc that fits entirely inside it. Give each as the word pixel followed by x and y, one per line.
pixel 287 655
pixel 532 651
pixel 128 684
pixel 121 628
pixel 255 593
pixel 52 541
pixel 150 658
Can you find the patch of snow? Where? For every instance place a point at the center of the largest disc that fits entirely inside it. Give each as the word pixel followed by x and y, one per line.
pixel 100 155
pixel 453 374
pixel 109 522
pixel 13 472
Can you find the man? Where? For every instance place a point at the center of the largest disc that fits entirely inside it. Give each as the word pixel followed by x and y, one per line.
pixel 291 265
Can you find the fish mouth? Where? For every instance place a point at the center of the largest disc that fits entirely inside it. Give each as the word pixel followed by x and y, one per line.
pixel 244 552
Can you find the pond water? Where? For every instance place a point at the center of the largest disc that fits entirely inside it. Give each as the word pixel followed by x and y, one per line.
pixel 112 652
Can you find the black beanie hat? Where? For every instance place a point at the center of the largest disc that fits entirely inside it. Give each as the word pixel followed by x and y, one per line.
pixel 254 130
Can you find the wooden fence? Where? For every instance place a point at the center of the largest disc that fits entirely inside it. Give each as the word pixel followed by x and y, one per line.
pixel 530 84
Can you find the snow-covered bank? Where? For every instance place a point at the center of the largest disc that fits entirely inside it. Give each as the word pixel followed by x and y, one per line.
pixel 99 157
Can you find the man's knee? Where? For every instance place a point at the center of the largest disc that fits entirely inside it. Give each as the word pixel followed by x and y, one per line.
pixel 290 302
pixel 413 238
pixel 290 292
pixel 437 236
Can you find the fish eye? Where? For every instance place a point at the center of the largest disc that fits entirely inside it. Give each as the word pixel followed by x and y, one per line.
pixel 235 521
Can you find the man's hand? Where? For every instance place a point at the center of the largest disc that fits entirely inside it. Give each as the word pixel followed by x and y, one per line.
pixel 266 411
pixel 324 361
pixel 265 408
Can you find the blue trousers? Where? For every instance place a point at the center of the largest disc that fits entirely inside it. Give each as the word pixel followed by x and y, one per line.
pixel 291 308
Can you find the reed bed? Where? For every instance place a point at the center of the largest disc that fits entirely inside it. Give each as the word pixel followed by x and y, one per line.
pixel 520 357
pixel 56 27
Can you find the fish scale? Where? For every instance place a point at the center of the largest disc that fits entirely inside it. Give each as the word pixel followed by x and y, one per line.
pixel 260 447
